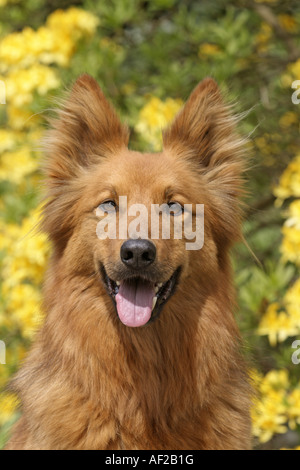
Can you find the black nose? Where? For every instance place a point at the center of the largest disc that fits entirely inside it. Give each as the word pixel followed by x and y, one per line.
pixel 138 254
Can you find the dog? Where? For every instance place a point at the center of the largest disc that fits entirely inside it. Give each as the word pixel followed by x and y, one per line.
pixel 140 348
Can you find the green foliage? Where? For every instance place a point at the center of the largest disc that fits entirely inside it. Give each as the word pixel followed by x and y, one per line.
pixel 163 48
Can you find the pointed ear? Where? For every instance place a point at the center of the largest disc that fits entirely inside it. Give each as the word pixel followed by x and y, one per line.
pixel 204 129
pixel 85 130
pixel 87 127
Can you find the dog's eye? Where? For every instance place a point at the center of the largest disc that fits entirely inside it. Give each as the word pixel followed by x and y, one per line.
pixel 108 206
pixel 175 208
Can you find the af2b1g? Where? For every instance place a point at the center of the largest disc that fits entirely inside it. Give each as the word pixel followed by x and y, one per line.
pixel 171 459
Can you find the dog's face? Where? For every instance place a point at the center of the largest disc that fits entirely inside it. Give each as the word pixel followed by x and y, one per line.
pixel 140 273
pixel 96 182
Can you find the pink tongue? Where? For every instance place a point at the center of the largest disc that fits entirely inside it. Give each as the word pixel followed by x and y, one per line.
pixel 134 302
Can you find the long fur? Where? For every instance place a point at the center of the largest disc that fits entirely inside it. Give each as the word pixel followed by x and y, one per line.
pixel 89 382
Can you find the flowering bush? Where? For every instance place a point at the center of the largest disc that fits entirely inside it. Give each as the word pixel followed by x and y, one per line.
pixel 276 407
pixel 154 117
pixel 279 404
pixel 148 56
pixel 27 61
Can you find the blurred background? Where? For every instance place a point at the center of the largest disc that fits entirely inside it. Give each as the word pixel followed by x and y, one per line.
pixel 147 57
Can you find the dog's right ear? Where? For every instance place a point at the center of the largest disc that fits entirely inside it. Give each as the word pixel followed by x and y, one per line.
pixel 87 128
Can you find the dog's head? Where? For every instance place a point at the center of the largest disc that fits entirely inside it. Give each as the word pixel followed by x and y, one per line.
pixel 106 204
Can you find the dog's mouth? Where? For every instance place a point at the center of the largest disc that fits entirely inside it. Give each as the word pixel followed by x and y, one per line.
pixel 139 300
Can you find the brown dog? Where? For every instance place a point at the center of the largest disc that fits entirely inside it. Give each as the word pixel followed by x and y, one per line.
pixel 109 369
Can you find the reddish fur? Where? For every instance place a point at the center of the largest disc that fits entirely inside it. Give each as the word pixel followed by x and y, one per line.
pixel 180 382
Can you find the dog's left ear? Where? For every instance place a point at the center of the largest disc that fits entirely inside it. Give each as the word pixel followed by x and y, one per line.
pixel 204 129
pixel 204 132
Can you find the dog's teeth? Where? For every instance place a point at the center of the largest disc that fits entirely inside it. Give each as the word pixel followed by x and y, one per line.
pixel 118 283
pixel 156 289
pixel 154 302
pixel 160 285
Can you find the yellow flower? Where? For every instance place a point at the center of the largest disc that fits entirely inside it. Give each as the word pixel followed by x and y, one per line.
pixel 292 296
pixel 154 116
pixel 268 417
pixel 289 184
pixel 293 215
pixel 27 252
pixel 8 405
pixel 256 378
pixel 207 49
pixel 269 410
pixel 293 408
pixel 15 165
pixel 23 267
pixel 294 68
pixel 290 246
pixel 275 380
pixel 21 84
pixel 278 326
pixel 53 43
pixel 20 119
pixel 288 119
pixel 24 315
pixel 7 140
pixel 75 21
pixel 269 324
